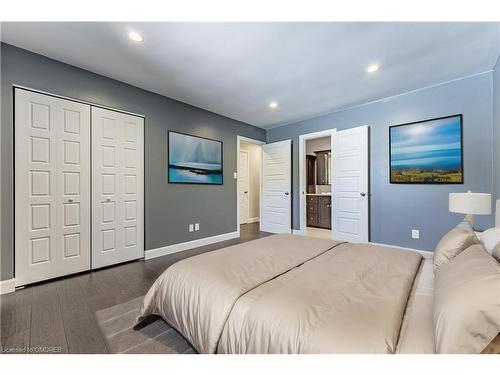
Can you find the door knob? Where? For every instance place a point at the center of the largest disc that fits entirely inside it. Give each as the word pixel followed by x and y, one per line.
pixel 70 200
pixel 287 193
pixel 246 192
pixel 108 199
pixel 362 194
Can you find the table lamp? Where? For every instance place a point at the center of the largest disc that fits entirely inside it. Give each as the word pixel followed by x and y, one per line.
pixel 470 204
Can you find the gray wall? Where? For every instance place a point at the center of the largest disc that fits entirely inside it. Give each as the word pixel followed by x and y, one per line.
pixel 168 208
pixel 496 129
pixel 396 209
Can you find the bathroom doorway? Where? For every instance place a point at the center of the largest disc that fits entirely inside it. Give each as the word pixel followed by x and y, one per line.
pixel 315 173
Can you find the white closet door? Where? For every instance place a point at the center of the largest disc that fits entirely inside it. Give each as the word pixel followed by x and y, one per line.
pixel 117 187
pixel 52 187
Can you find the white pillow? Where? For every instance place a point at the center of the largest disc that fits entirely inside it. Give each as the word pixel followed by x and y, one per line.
pixel 490 238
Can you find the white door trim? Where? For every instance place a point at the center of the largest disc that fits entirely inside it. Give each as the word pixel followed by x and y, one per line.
pixel 240 139
pixel 302 170
pixel 248 187
pixel 15 85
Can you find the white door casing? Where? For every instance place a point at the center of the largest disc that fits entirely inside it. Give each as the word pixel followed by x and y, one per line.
pixel 303 170
pixel 350 195
pixel 276 209
pixel 117 187
pixel 244 186
pixel 52 187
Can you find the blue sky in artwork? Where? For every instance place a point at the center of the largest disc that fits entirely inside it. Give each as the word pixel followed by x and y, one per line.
pixel 189 151
pixel 428 145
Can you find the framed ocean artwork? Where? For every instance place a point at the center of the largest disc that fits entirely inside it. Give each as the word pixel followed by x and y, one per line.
pixel 427 152
pixel 194 160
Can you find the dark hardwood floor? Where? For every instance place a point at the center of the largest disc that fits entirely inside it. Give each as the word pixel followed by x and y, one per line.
pixel 60 314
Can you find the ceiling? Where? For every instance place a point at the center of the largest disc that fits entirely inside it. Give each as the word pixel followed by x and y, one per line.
pixel 237 69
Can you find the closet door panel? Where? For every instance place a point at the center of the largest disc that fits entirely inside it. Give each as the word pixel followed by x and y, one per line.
pixel 105 162
pixel 35 187
pixel 118 191
pixel 73 164
pixel 50 169
pixel 132 180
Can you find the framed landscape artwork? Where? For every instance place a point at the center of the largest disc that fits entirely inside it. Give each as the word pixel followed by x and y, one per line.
pixel 427 152
pixel 194 160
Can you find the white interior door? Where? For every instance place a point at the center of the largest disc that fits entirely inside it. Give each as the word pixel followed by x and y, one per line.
pixel 350 185
pixel 276 208
pixel 52 187
pixel 117 187
pixel 244 186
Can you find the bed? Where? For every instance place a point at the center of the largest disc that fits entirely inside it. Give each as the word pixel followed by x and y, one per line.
pixel 295 294
pixel 288 294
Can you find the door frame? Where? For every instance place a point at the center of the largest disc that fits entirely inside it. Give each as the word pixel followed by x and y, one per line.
pixel 239 139
pixel 92 104
pixel 248 181
pixel 302 172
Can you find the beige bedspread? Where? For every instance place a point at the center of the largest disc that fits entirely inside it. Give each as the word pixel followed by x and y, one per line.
pixel 288 294
pixel 417 331
pixel 197 294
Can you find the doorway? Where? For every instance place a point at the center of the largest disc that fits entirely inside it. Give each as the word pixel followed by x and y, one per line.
pixel 249 162
pixel 334 197
pixel 315 173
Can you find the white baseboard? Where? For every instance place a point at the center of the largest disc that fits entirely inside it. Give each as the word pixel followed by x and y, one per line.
pixel 425 253
pixel 161 251
pixel 253 220
pixel 7 286
pixel 297 231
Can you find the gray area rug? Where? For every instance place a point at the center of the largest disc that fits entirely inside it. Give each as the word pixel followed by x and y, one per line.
pixel 117 322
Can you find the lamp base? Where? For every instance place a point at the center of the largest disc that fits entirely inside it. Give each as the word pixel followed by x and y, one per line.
pixel 469 218
pixel 465 224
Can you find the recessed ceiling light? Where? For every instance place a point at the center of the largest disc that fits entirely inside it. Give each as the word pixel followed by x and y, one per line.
pixel 373 68
pixel 135 36
pixel 273 105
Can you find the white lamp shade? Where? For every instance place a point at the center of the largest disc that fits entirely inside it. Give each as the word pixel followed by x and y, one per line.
pixel 470 203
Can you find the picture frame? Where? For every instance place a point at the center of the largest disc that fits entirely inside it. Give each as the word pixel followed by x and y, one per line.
pixel 192 159
pixel 427 152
